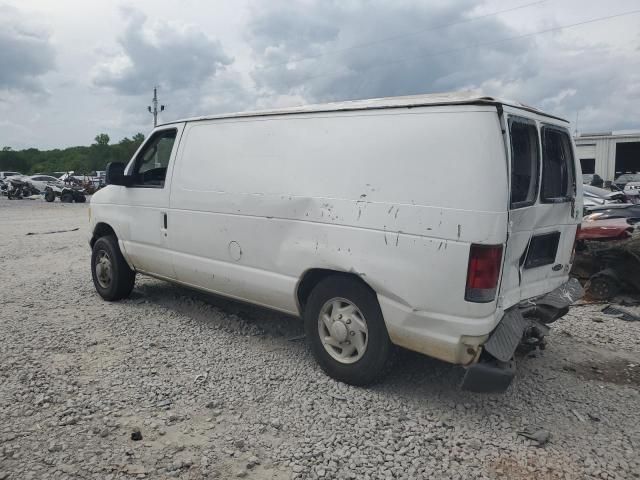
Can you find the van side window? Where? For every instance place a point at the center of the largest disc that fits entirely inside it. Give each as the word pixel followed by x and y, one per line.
pixel 558 171
pixel 151 163
pixel 525 160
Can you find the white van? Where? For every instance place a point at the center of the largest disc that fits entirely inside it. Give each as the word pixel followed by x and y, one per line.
pixel 440 223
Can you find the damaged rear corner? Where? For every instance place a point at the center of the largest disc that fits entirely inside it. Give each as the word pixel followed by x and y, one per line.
pixel 526 325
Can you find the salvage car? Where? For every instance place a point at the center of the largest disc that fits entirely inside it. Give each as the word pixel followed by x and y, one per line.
pixel 53 188
pixel 626 178
pixel 334 213
pixel 5 175
pixel 594 197
pixel 42 181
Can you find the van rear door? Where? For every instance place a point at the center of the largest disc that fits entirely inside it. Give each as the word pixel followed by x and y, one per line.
pixel 543 214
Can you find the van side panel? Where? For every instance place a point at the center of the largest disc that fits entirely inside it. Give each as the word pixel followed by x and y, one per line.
pixel 395 196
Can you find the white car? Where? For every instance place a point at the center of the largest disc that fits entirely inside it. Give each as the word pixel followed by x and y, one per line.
pixel 41 182
pixel 338 214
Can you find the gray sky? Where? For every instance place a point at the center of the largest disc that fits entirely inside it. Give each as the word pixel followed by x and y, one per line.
pixel 72 69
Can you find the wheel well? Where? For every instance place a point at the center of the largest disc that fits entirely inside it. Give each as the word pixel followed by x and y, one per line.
pixel 312 277
pixel 102 230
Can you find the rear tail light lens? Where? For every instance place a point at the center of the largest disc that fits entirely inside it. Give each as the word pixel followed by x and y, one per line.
pixel 483 273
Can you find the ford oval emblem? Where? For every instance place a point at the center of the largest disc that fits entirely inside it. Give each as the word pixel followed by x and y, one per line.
pixel 557 268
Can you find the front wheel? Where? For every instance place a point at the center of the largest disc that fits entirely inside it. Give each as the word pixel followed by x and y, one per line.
pixel 346 331
pixel 49 195
pixel 112 276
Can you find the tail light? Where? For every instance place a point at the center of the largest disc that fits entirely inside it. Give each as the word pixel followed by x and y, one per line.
pixel 483 273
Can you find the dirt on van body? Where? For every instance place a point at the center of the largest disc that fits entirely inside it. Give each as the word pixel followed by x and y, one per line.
pixel 177 384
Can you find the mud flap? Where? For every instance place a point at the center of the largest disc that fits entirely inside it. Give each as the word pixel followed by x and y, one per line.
pixel 505 338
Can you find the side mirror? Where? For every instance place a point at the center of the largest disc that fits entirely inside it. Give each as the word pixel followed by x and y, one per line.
pixel 115 174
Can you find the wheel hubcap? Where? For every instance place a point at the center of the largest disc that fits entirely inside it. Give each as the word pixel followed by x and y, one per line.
pixel 103 269
pixel 343 330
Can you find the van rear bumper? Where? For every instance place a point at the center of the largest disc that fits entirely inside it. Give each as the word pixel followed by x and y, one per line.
pixel 462 340
pixel 529 318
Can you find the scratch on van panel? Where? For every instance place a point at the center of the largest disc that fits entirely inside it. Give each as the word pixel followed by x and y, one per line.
pixel 398 237
pixel 316 245
pixel 385 235
pixel 391 208
pixel 397 210
pixel 459 231
pixel 363 195
pixel 440 246
pixel 359 213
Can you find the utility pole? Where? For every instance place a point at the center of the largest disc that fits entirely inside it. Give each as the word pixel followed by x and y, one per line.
pixel 154 110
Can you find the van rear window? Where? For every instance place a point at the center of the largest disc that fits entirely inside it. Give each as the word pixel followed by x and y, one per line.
pixel 558 172
pixel 525 160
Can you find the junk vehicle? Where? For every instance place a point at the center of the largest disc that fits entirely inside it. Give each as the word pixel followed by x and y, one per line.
pixel 5 175
pixel 629 211
pixel 53 188
pixel 593 201
pixel 608 256
pixel 17 187
pixel 335 213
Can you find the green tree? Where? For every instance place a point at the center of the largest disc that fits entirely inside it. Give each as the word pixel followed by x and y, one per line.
pixel 82 159
pixel 102 139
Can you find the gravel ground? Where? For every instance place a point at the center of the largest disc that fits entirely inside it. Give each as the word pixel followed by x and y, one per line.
pixel 217 389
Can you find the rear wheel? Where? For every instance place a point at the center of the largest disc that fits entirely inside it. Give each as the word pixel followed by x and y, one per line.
pixel 81 198
pixel 346 331
pixel 112 277
pixel 66 198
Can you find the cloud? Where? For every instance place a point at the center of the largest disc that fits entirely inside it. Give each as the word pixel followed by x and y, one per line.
pixel 26 52
pixel 379 50
pixel 174 55
pixel 325 51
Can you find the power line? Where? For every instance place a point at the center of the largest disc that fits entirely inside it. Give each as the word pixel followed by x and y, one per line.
pixel 404 35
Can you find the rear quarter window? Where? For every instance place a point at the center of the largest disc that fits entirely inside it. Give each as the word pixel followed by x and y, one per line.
pixel 525 162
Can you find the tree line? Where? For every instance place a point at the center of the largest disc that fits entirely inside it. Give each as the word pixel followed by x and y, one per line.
pixel 78 159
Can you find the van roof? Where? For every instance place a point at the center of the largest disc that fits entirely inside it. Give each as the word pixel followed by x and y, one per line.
pixel 408 101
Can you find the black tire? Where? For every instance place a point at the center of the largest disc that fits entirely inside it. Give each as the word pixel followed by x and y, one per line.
pixel 603 287
pixel 81 199
pixel 121 278
pixel 66 197
pixel 376 360
pixel 49 195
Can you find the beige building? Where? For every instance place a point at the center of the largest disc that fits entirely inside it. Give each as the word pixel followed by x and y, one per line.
pixel 609 154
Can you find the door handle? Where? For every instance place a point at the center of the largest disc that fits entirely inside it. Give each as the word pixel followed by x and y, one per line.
pixel 164 220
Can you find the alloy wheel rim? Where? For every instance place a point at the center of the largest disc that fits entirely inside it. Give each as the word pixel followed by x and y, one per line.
pixel 104 271
pixel 343 330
